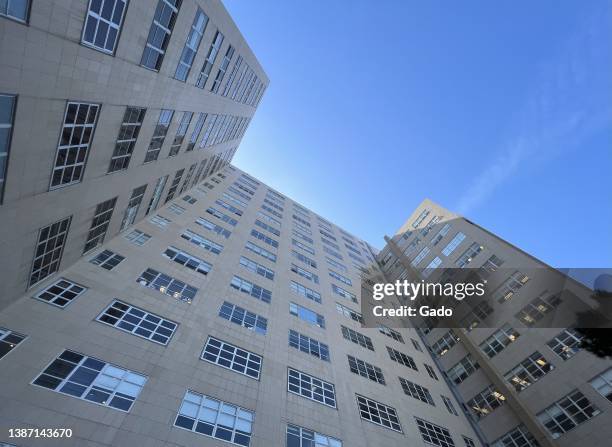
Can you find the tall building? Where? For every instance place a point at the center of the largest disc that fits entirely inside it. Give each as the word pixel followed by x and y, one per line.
pixel 108 109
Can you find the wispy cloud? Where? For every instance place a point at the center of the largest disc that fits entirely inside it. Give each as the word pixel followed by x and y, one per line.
pixel 569 101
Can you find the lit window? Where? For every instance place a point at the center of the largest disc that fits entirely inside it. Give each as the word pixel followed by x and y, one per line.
pixel 528 371
pixel 566 344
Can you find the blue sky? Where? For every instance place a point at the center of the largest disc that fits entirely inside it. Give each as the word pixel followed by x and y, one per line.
pixel 501 111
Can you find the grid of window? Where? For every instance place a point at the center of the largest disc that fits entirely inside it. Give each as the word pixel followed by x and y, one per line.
pixel 603 384
pixel 483 403
pixel 252 289
pixel 260 251
pixel 567 413
pixel 126 140
pixel 444 343
pixel 92 380
pixel 357 338
pixel 528 371
pixel 510 286
pixel 535 310
pixel 159 33
pixel 210 60
pixel 311 387
pixel 191 45
pixel 243 317
pixel 519 437
pixel 99 224
pixel 137 321
pixel 431 371
pixel 75 138
pixel 181 131
pixel 298 436
pixel 159 134
pixel 49 250
pixel 159 221
pixel 308 345
pixel 137 237
pixel 307 315
pixel 349 313
pixel 463 369
pixel 391 333
pixel 232 357
pixel 417 391
pixel 366 369
pixel 129 216
pixel 215 418
pixel 262 237
pixel 202 242
pixel 305 273
pixel 256 268
pixel 305 292
pixel 7 116
pixel 305 259
pixel 434 434
pixel 107 259
pixel 61 293
pixel 9 340
pixel 566 344
pixel 224 217
pixel 183 258
pixel 379 414
pixel 167 285
pixel 499 340
pixel 103 23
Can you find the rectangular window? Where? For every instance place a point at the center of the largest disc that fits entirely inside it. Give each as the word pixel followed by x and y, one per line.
pixel 343 279
pixel 99 224
pixel 159 221
pixel 126 140
pixel 15 9
pixel 256 268
pixel 499 340
pixel 519 437
pixel 603 384
pixel 453 244
pixel 377 413
pixel 202 242
pixel 305 292
pixel 107 259
pixel 267 227
pixel 188 199
pixel 469 442
pixel 417 391
pixel 243 317
pixel 298 436
pixel 305 259
pixel 434 434
pixel 176 209
pixel 251 289
pixel 566 344
pixel 103 24
pixel 510 286
pixel 159 134
pixel 401 358
pixel 349 313
pixel 307 315
pixel 431 371
pixel 357 338
pixel 311 387
pixel 93 380
pixel 366 369
pixel 222 69
pixel 137 237
pixel 214 418
pixel 159 33
pixel 528 371
pixel 537 309
pixel 301 246
pixel 7 117
pixel 215 46
pixel 191 45
pixel 344 293
pixel 260 251
pixel 416 345
pixel 73 146
pixel 262 237
pixel 157 192
pixel 167 285
pixel 335 264
pixel 195 134
pixel 129 216
pixel 137 321
pixel 181 131
pixel 470 253
pixel 302 236
pixel 567 413
pixel 174 186
pixel 232 357
pixel 308 345
pixel 221 216
pixel 229 207
pixel 390 333
pixel 434 264
pixel 49 250
pixel 305 273
pixel 463 369
pixel 483 403
pixel 61 292
pixel 444 343
pixel 424 252
pixel 217 229
pixel 9 340
pixel 335 254
pixel 183 258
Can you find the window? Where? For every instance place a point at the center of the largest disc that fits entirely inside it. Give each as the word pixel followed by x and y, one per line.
pixel 463 369
pixel 390 333
pixel 176 209
pixel 535 310
pixel 498 341
pixel 365 369
pixel 215 46
pixel 137 237
pixel 453 244
pixel 449 405
pixel 469 254
pixel 349 313
pixel 159 33
pixel 181 131
pixel 519 437
pixel 298 436
pixel 214 418
pixel 302 236
pixel 260 251
pixel 301 246
pixel 262 237
pixel 416 345
pixel 159 134
pixel 305 259
pixel 469 442
pixel 307 315
pixel 129 216
pixel 305 273
pixel 99 224
pixel 528 371
pixel 229 207
pixel 434 264
pixel 332 252
pixel 444 343
pixel 420 218
pixel 107 259
pixel 341 278
pixel 252 289
pixel 485 402
pixel 191 45
pixel 311 387
pixel 8 340
pixel 603 384
pixel 183 258
pixel 126 140
pixel 243 317
pixel 566 344
pixel 103 24
pixel 138 322
pixel 222 216
pixel 510 286
pixel 49 250
pixel 417 391
pixel 73 147
pixel 344 293
pixel 232 357
pixel 431 371
pixel 434 434
pixel 196 133
pixel 567 413
pixel 479 313
pixel 222 69
pixel 308 345
pixel 357 338
pixel 159 221
pixel 256 268
pixel 61 292
pixel 377 413
pixel 305 292
pixel 167 285
pixel 91 379
pixel 7 116
pixel 267 227
pixel 157 192
pixel 202 242
pixel 424 252
pixel 15 9
pixel 335 264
